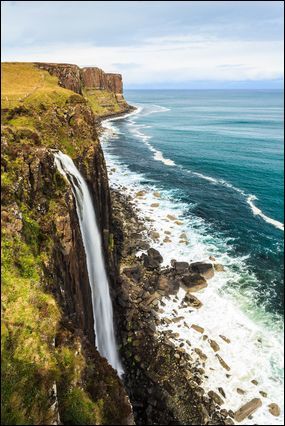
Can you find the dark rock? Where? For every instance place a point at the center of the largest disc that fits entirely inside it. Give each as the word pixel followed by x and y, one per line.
pixel 194 282
pixel 181 267
pixel 203 268
pixel 215 397
pixel 192 300
pixel 153 259
pixel 134 272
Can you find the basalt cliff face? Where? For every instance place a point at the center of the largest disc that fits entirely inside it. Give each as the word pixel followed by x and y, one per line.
pixel 104 90
pixel 51 370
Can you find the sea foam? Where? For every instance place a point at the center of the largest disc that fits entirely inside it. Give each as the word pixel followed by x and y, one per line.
pixel 255 351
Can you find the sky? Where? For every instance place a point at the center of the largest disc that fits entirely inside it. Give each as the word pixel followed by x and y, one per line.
pixel 154 44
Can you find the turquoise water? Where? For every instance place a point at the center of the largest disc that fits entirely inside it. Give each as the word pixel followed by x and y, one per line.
pixel 221 152
pixel 216 158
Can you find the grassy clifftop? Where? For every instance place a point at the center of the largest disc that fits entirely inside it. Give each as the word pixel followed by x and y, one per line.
pixel 44 357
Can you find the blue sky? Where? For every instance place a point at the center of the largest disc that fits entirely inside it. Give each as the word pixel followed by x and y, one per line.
pixel 154 44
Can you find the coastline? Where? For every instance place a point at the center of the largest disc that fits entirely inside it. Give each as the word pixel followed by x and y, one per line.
pixel 165 322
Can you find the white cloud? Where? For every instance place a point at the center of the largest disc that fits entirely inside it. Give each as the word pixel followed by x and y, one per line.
pixel 170 59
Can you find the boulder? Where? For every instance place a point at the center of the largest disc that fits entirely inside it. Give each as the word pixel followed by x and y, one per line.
pixel 154 235
pixel 205 269
pixel 225 339
pixel 218 267
pixel 171 217
pixel 247 409
pixel 153 259
pixel 192 301
pixel 274 409
pixel 181 267
pixel 214 345
pixel 215 397
pixel 197 328
pixel 134 272
pixel 223 363
pixel 194 282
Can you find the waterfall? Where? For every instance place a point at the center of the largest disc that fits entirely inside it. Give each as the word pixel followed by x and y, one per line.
pixel 101 300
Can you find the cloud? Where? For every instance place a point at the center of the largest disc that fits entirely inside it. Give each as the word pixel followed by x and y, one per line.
pixel 151 42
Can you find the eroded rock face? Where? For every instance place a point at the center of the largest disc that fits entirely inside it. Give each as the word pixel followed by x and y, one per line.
pixel 95 78
pixel 74 78
pixel 68 75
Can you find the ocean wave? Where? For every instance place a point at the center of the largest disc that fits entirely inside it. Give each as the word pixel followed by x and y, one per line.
pixel 256 346
pixel 257 212
pixel 158 156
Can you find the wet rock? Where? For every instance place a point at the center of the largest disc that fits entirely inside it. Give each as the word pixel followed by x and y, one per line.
pixel 274 409
pixel 177 319
pixel 197 328
pixel 171 217
pixel 194 282
pixel 192 300
pixel 181 267
pixel 229 421
pixel 223 363
pixel 154 205
pixel 140 193
pixel 247 409
pixel 214 345
pixel 154 235
pixel 212 258
pixel 218 267
pixel 204 269
pixel 163 283
pixel 254 382
pixel 153 259
pixel 222 392
pixel 264 394
pixel 156 194
pixel 215 397
pixel 225 339
pixel 201 354
pixel 178 222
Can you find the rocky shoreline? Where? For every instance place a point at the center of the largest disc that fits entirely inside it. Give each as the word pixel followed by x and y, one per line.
pixel 164 383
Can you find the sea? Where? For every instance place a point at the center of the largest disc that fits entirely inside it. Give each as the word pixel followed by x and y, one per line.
pixel 213 159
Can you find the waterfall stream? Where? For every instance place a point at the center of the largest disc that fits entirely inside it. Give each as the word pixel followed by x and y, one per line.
pixel 101 300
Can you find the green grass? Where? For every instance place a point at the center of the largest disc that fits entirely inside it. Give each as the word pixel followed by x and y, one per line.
pixel 101 101
pixel 25 84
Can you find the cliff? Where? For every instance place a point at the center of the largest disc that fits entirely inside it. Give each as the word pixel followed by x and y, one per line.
pixel 103 90
pixel 51 371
